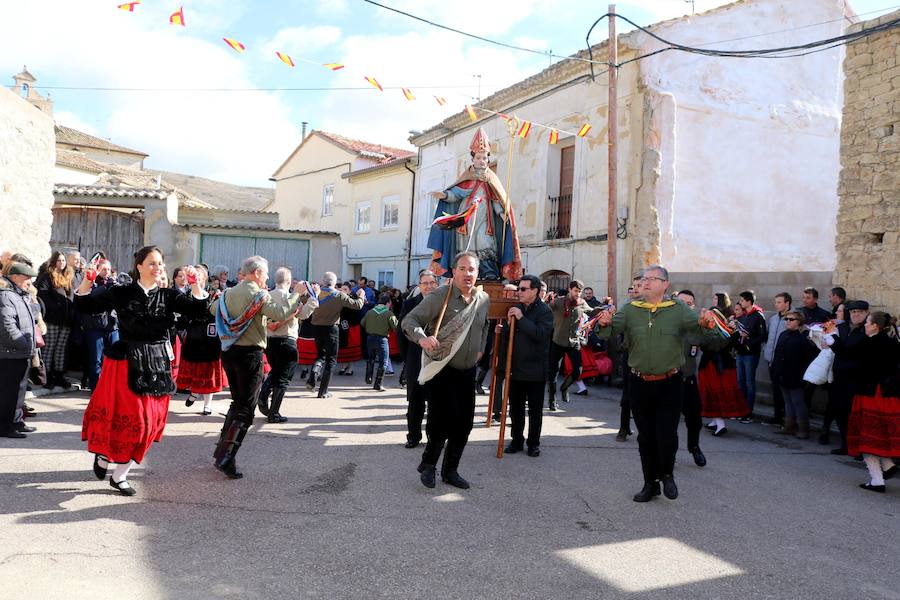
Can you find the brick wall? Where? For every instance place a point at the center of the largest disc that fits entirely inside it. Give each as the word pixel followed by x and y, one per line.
pixel 27 154
pixel 868 223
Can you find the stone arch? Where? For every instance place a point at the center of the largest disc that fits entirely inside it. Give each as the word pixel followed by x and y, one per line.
pixel 556 279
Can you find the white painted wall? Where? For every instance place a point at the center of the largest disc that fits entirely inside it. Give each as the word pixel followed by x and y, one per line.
pixel 753 144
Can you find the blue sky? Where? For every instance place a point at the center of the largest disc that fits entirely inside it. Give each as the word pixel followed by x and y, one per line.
pixel 243 136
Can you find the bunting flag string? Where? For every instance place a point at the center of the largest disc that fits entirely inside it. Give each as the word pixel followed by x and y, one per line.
pixel 235 45
pixel 524 127
pixel 177 17
pixel 285 59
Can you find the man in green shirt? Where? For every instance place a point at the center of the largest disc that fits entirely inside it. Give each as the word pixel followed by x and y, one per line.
pixel 654 331
pixel 378 323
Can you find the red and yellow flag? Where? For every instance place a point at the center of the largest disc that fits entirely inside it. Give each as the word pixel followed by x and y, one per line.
pixel 129 7
pixel 285 59
pixel 584 130
pixel 408 94
pixel 177 17
pixel 471 112
pixel 524 130
pixel 235 45
pixel 554 136
pixel 440 100
pixel 333 66
pixel 375 83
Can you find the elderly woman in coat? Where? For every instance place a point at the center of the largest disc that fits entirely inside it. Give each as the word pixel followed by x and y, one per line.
pixel 17 345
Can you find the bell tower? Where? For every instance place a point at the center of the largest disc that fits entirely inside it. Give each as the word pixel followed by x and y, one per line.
pixel 24 87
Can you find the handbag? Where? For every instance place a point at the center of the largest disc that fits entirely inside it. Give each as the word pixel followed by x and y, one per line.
pixel 819 370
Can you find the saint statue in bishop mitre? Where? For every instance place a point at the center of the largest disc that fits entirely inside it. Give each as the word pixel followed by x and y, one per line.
pixel 475 215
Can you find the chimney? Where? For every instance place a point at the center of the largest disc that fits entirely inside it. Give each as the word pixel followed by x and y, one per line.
pixel 303 130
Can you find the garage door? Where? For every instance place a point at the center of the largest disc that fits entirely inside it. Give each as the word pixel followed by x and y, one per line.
pixel 230 250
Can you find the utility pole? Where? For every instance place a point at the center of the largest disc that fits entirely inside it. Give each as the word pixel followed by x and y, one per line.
pixel 612 169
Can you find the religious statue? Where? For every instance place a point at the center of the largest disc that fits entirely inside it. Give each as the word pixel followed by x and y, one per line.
pixel 474 214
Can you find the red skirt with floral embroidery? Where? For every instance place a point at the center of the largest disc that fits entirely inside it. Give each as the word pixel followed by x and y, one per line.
pixel 393 345
pixel 874 426
pixel 118 423
pixel 352 351
pixel 202 377
pixel 588 364
pixel 720 396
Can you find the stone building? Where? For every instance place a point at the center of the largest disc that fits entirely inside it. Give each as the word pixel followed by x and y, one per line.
pixel 26 174
pixel 727 167
pixel 868 222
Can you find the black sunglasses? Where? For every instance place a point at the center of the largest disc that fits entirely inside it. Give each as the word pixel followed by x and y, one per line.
pixel 521 289
pixel 790 319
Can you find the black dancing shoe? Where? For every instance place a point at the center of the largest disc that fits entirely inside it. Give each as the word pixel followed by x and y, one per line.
pixel 123 487
pixel 873 488
pixel 533 452
pixel 99 472
pixel 699 457
pixel 21 427
pixel 648 492
pixel 889 474
pixel 720 432
pixel 410 444
pixel 230 470
pixel 455 479
pixel 276 418
pixel 190 400
pixel 206 413
pixel 670 490
pixel 427 475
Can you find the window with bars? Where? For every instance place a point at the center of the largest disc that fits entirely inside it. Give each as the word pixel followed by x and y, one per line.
pixel 561 204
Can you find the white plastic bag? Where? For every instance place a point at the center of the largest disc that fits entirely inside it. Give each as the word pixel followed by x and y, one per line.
pixel 819 370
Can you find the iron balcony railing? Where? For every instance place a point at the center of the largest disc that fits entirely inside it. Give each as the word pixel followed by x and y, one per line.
pixel 560 217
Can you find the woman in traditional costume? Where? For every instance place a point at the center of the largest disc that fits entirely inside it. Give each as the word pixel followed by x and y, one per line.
pixel 720 395
pixel 127 411
pixel 201 370
pixel 350 337
pixel 874 427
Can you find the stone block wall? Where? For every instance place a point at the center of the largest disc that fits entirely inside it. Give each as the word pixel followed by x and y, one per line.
pixel 868 223
pixel 27 156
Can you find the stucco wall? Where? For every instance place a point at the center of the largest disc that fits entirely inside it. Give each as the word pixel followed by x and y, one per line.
pixel 27 156
pixel 868 229
pixel 748 148
pixel 381 248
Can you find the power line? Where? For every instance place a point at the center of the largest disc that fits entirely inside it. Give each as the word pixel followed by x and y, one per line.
pixel 248 89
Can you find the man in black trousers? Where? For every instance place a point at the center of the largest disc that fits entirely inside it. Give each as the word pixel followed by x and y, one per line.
pixel 690 399
pixel 530 364
pixel 415 392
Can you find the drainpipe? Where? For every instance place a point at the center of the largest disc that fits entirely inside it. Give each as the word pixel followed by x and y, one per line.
pixel 412 213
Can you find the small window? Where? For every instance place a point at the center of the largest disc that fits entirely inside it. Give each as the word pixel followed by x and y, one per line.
pixel 328 200
pixel 385 278
pixel 390 212
pixel 363 217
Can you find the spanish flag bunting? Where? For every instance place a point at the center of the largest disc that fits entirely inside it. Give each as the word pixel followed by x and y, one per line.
pixel 471 112
pixel 440 100
pixel 285 59
pixel 235 45
pixel 333 66
pixel 408 94
pixel 554 136
pixel 584 130
pixel 524 130
pixel 177 17
pixel 129 7
pixel 375 83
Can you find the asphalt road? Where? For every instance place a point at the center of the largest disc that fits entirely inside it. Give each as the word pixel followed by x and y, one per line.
pixel 331 507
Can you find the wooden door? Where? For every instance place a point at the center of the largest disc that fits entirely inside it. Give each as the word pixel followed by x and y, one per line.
pixel 117 234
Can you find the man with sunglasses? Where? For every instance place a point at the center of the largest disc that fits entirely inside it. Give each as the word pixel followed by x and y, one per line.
pixel 655 330
pixel 534 325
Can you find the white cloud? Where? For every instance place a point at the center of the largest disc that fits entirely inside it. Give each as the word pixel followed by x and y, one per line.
pixel 303 40
pixel 239 137
pixel 69 119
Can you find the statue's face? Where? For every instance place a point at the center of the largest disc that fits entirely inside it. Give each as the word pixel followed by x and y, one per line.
pixel 480 160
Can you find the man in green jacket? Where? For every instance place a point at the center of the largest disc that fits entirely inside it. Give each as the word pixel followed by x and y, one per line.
pixel 654 330
pixel 378 323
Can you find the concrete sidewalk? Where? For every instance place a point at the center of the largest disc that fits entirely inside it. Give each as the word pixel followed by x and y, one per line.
pixel 331 507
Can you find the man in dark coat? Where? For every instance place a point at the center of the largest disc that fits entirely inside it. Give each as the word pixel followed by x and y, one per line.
pixel 530 364
pixel 415 392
